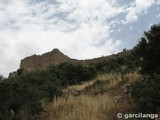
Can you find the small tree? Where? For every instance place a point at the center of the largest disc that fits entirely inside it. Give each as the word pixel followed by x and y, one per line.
pixel 148 51
pixel 147 92
pixel 1 78
pixel 147 95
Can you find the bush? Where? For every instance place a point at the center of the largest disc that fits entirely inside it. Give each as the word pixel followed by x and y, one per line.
pixel 147 51
pixel 122 64
pixel 27 91
pixel 147 94
pixel 69 73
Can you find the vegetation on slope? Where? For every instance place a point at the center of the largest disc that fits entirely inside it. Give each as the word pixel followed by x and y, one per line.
pixel 96 101
pixel 26 95
pixel 28 92
pixel 147 91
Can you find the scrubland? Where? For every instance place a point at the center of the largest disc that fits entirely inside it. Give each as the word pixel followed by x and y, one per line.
pixel 90 106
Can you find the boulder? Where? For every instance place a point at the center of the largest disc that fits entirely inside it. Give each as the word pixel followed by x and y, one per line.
pixel 118 98
pixel 12 74
pixel 74 92
pixel 126 88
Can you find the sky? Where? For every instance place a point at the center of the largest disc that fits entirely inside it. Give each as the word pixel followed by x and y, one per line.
pixel 81 29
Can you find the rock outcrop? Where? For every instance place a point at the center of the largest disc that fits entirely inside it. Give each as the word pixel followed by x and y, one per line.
pixel 12 74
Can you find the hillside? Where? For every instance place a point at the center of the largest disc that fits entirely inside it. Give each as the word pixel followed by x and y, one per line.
pixel 38 87
pixel 125 85
pixel 100 99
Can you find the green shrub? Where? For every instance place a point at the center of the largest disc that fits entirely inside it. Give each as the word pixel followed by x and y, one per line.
pixel 147 51
pixel 147 94
pixel 27 91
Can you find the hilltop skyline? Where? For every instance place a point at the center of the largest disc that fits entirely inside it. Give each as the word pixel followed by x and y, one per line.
pixel 81 29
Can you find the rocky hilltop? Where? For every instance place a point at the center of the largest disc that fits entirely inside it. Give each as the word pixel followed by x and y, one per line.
pixel 55 57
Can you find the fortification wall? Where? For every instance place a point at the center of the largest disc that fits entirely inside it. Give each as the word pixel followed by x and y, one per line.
pixel 38 62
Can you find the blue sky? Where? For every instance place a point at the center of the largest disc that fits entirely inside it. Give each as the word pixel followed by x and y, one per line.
pixel 81 29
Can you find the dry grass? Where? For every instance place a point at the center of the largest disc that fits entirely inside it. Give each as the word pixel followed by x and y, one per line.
pixel 88 107
pixel 100 107
pixel 82 86
pixel 114 80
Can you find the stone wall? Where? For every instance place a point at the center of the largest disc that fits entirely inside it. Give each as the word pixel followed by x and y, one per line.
pixel 38 62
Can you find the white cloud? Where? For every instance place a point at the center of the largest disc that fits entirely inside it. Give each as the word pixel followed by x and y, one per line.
pixel 157 2
pixel 131 16
pixel 79 28
pixel 137 7
pixel 76 27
